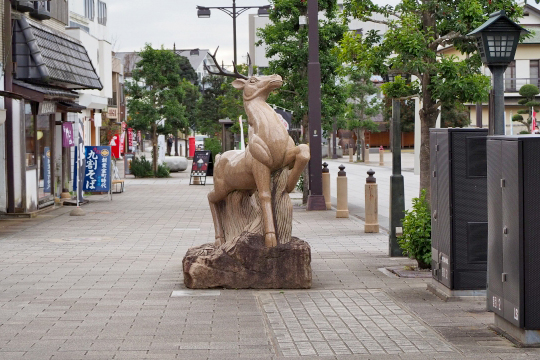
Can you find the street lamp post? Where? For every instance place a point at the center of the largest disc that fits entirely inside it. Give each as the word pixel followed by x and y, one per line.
pixel 233 11
pixel 497 40
pixel 316 198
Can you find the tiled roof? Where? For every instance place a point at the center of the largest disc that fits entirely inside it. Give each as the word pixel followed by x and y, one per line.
pixel 47 90
pixel 45 55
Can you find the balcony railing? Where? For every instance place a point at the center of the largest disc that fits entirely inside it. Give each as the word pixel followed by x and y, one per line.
pixel 514 84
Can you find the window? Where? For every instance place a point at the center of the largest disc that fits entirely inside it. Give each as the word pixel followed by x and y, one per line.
pixel 510 78
pixel 534 72
pixel 102 13
pixel 44 146
pixel 89 9
pixel 30 135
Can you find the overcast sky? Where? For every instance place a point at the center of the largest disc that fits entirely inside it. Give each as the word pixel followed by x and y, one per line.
pixel 132 23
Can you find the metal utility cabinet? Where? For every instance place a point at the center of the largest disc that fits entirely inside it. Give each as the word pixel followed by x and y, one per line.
pixel 513 175
pixel 459 208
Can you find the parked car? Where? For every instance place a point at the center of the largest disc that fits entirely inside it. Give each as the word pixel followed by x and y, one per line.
pixel 199 141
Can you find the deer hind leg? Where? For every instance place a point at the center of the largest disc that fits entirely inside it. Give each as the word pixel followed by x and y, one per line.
pixel 297 157
pixel 262 178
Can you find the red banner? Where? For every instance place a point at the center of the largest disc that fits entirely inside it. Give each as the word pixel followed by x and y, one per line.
pixel 130 140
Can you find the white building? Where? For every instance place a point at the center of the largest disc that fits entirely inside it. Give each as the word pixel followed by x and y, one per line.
pixel 88 24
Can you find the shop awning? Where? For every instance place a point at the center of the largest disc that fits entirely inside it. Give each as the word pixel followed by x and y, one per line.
pixel 46 56
pixel 66 106
pixel 41 93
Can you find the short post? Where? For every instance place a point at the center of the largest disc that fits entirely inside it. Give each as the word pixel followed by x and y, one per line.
pixel 351 154
pixel 342 205
pixel 366 154
pixel 372 204
pixel 326 185
pixel 381 156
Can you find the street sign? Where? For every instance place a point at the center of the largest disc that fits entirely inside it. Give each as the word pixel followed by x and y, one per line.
pixel 202 166
pixel 97 168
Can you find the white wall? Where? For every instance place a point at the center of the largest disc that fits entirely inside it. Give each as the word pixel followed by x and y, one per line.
pixel 18 163
pixel 105 68
pixel 3 180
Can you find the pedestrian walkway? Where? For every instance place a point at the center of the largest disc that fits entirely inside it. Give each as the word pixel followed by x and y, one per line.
pixel 109 286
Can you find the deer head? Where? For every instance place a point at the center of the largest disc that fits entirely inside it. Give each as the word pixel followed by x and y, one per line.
pixel 258 86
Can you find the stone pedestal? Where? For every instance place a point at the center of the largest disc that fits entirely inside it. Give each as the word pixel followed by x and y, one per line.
pixel 247 263
pixel 372 204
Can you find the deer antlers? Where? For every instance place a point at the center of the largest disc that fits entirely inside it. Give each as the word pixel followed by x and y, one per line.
pixel 223 72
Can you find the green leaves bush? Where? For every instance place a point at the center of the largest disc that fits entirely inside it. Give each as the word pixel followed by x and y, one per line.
pixel 141 168
pixel 214 145
pixel 416 239
pixel 163 171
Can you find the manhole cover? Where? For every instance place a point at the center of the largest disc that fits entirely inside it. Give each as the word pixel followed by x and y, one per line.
pixel 180 293
pixel 82 239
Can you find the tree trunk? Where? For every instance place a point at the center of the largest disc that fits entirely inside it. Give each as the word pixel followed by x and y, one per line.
pixel 429 111
pixel 428 118
pixel 176 143
pixel 155 149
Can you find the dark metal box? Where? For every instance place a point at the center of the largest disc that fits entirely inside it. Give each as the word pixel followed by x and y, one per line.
pixel 459 207
pixel 514 229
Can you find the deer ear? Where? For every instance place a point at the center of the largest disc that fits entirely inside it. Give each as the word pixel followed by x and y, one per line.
pixel 239 83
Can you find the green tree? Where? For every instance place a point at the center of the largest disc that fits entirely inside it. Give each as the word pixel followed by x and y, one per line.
pixel 287 43
pixel 154 94
pixel 416 29
pixel 208 114
pixel 362 106
pixel 529 93
pixel 454 115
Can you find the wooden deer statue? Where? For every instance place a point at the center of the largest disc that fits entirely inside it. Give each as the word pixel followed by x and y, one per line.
pixel 270 148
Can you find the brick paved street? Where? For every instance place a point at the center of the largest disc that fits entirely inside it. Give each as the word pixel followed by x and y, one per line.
pixel 109 286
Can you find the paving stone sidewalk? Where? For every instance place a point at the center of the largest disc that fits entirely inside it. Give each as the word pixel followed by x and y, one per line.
pixel 109 286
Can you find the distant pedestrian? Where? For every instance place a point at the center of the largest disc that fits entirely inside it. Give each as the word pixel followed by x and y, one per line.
pixel 170 141
pixel 536 131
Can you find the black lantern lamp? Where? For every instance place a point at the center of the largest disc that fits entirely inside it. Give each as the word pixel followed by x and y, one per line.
pixel 203 12
pixel 263 11
pixel 497 41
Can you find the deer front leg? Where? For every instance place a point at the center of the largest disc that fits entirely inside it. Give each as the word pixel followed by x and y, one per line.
pixel 220 236
pixel 261 174
pixel 299 155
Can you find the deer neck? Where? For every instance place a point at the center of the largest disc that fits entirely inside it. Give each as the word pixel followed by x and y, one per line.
pixel 254 107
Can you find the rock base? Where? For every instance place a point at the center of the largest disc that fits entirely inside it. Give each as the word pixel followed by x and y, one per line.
pixel 246 263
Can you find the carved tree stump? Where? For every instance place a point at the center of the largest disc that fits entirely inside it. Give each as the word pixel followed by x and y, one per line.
pixel 243 261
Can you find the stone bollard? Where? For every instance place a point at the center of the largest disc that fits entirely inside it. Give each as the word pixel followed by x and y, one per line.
pixel 381 156
pixel 342 205
pixel 366 154
pixel 351 154
pixel 372 204
pixel 326 185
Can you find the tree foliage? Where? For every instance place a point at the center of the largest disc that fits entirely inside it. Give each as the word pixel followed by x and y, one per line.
pixel 156 94
pixel 529 93
pixel 362 104
pixel 416 30
pixel 287 47
pixel 454 115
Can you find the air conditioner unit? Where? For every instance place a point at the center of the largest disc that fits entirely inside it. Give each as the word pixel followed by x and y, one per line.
pixel 23 6
pixel 42 10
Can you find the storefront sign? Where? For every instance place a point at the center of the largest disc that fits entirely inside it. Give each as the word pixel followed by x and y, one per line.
pixel 115 146
pixel 112 113
pixel 128 158
pixel 46 170
pixel 122 138
pixel 79 161
pixel 97 169
pixel 285 117
pixel 46 108
pixel 67 135
pixel 130 140
pixel 202 166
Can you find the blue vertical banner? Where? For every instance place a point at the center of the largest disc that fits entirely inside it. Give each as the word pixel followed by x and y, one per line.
pixel 46 169
pixel 97 168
